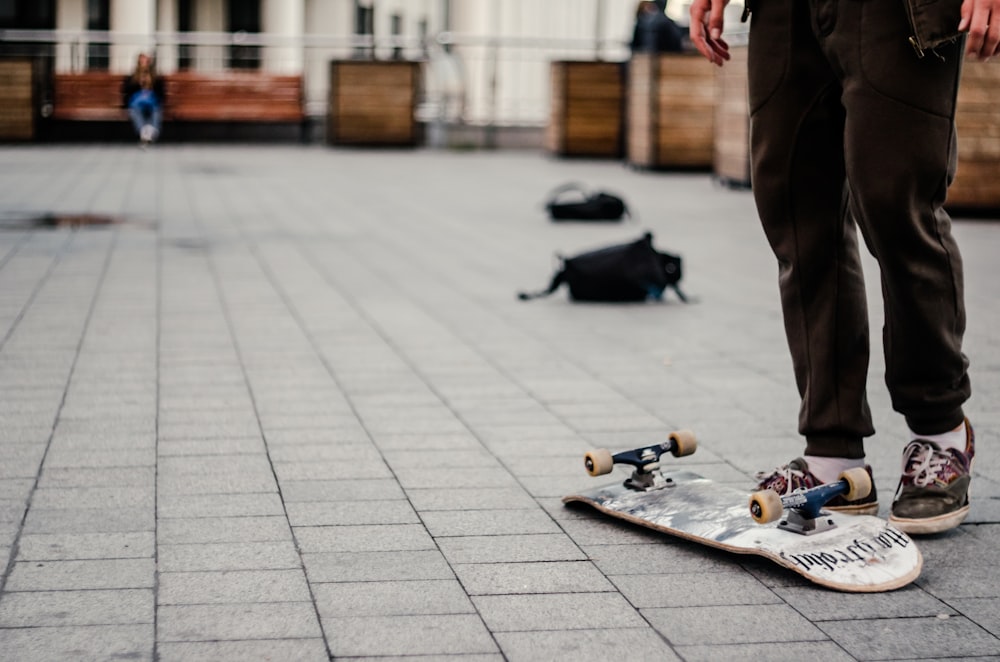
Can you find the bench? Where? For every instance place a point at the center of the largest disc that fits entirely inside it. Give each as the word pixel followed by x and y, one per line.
pixel 243 97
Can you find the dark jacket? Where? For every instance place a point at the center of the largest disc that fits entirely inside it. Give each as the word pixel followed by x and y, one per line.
pixel 656 32
pixel 130 86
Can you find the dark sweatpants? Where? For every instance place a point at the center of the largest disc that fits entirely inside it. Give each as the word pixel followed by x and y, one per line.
pixel 849 125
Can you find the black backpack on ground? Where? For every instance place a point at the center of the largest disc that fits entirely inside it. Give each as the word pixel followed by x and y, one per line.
pixel 572 202
pixel 626 272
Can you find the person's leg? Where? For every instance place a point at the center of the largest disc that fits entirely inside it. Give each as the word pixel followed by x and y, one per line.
pixel 798 179
pixel 136 117
pixel 156 120
pixel 900 158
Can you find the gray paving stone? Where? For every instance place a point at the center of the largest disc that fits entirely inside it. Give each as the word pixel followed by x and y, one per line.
pixel 574 611
pixel 905 638
pixel 420 478
pixel 769 652
pixel 228 556
pixel 331 470
pixel 488 522
pixel 16 488
pixel 226 483
pixel 227 447
pixel 306 650
pixel 80 546
pixel 703 626
pixel 285 620
pixel 71 575
pixel 110 498
pixel 664 556
pixel 431 442
pixel 452 458
pixel 219 505
pixel 319 513
pixel 95 459
pixel 62 608
pixel 391 598
pixel 12 510
pixel 57 644
pixel 54 477
pixel 456 635
pixel 375 489
pixel 342 452
pixel 214 465
pixel 236 586
pixel 348 433
pixel 985 612
pixel 819 605
pixel 496 498
pixel 510 549
pixel 222 529
pixel 695 589
pixel 376 566
pixel 363 538
pixel 585 645
pixel 522 578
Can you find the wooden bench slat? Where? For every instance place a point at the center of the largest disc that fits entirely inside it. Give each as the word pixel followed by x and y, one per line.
pixel 192 97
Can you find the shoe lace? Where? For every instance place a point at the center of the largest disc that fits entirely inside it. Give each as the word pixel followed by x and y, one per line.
pixel 923 462
pixel 793 478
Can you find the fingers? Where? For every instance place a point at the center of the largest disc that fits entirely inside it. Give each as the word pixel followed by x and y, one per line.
pixel 706 30
pixel 982 20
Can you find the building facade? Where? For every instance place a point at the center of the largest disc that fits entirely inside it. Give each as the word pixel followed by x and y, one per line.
pixel 486 60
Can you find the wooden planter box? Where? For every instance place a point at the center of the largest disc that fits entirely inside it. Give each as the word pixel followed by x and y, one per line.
pixel 978 122
pixel 373 103
pixel 17 100
pixel 671 111
pixel 586 109
pixel 731 159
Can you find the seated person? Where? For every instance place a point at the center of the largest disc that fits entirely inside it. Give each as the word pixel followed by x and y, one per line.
pixel 143 95
pixel 654 31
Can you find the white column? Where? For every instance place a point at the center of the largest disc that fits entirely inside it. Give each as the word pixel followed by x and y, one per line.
pixel 166 53
pixel 135 22
pixel 285 21
pixel 71 16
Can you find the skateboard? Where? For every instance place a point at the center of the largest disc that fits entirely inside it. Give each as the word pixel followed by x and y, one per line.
pixel 853 553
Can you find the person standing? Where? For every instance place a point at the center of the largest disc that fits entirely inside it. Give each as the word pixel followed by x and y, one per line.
pixel 852 126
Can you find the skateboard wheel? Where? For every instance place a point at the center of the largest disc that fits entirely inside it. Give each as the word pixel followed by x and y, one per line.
pixel 685 443
pixel 765 506
pixel 599 462
pixel 859 483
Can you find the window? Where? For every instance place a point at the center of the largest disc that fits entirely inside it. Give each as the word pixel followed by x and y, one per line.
pixel 185 23
pixel 364 25
pixel 396 23
pixel 244 18
pixel 28 14
pixel 98 18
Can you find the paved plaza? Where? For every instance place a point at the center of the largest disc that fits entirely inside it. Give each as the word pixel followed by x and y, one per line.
pixel 288 407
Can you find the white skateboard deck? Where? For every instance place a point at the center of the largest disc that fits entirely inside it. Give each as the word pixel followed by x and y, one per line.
pixel 861 554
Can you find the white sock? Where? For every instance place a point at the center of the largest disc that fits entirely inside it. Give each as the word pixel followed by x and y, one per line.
pixel 951 439
pixel 828 469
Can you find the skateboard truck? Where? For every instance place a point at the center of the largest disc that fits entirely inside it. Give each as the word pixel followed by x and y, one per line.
pixel 803 509
pixel 645 460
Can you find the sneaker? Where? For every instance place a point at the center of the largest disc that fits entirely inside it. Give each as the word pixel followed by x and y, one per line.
pixel 933 492
pixel 796 476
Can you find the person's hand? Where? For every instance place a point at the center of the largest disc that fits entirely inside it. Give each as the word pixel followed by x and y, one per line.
pixel 982 19
pixel 706 28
